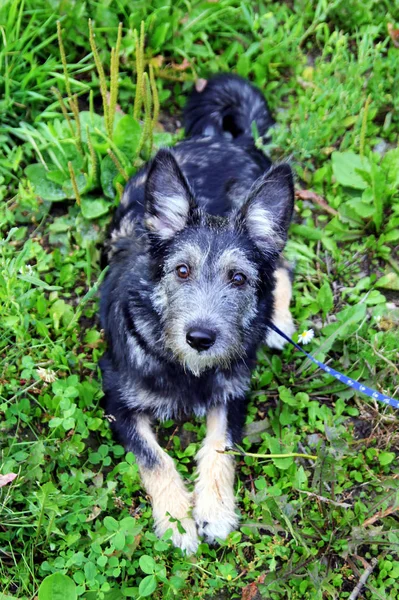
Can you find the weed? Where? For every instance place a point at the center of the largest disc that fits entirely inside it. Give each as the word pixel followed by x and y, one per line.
pixel 80 112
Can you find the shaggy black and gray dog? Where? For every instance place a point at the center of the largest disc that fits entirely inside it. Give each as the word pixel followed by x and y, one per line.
pixel 195 279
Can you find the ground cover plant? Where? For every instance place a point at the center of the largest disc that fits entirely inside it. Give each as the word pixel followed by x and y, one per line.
pixel 84 101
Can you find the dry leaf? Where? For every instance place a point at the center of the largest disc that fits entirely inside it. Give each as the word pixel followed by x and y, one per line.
pixel 319 200
pixel 8 478
pixel 183 66
pixel 393 34
pixel 380 515
pixel 157 61
pixel 250 591
pixel 94 514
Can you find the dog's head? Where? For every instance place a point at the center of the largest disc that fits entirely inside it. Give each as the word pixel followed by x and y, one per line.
pixel 214 275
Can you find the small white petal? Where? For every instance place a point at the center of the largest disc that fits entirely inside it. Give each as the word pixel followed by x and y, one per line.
pixel 306 336
pixel 47 375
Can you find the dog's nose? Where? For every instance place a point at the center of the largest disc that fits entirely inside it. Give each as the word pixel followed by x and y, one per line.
pixel 200 339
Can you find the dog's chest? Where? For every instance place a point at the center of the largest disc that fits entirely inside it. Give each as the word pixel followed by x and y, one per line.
pixel 171 397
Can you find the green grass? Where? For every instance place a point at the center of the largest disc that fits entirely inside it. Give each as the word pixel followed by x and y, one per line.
pixel 308 528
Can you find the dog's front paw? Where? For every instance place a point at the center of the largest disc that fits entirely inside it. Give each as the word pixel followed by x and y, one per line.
pixel 187 540
pixel 215 518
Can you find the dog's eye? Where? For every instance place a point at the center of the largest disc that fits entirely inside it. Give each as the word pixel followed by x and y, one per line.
pixel 238 279
pixel 182 271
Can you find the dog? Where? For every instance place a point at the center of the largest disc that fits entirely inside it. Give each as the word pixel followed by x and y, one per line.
pixel 195 277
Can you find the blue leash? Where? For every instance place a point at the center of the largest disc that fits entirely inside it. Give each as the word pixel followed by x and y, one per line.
pixel 359 387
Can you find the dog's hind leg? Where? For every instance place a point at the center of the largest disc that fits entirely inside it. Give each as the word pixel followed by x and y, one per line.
pixel 214 509
pixel 171 502
pixel 282 317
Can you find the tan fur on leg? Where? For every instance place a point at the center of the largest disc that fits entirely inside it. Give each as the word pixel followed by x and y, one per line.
pixel 214 510
pixel 168 494
pixel 282 317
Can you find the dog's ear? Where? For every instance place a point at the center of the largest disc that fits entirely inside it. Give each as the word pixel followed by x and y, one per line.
pixel 267 212
pixel 168 198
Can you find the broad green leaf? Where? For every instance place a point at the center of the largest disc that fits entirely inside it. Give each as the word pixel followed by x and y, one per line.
pixel 162 139
pixel 275 448
pixel 325 298
pixel 379 192
pixel 148 586
pixel 93 208
pixel 81 182
pixel 386 458
pixel 287 396
pixel 390 281
pixel 90 570
pixel 68 423
pixel 111 595
pixel 10 321
pixel 363 209
pixel 57 587
pixel 119 540
pixel 147 564
pixel 111 524
pixel 57 176
pixel 243 65
pixel 92 121
pixel 129 592
pixel 107 176
pixel 309 233
pixel 38 282
pixel 390 164
pixel 48 190
pixel 127 134
pixel 346 167
pixel 375 297
pixel 159 35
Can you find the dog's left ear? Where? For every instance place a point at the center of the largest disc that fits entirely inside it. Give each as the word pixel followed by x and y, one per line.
pixel 168 198
pixel 268 210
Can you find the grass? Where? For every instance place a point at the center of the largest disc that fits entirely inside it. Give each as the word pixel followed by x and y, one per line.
pixel 309 527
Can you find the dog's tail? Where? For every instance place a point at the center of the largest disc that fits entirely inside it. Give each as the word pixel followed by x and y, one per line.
pixel 228 105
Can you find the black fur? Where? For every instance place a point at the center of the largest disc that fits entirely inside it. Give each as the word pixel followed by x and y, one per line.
pixel 218 184
pixel 227 106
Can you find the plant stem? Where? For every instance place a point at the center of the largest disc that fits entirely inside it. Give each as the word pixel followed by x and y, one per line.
pixel 117 164
pixel 254 455
pixel 63 59
pixel 113 95
pixel 139 42
pixel 74 183
pixel 101 76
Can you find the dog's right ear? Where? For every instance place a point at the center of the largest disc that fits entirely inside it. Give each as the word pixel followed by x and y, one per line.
pixel 268 209
pixel 168 198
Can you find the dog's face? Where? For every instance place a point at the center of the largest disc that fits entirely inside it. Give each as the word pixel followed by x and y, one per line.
pixel 213 271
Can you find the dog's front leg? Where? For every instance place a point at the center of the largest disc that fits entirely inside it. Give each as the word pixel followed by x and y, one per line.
pixel 282 317
pixel 171 502
pixel 214 510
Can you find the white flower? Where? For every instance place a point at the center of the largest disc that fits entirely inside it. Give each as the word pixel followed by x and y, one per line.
pixel 306 336
pixel 47 375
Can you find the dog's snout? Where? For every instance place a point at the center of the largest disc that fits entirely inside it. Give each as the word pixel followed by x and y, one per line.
pixel 200 339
